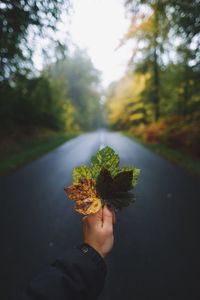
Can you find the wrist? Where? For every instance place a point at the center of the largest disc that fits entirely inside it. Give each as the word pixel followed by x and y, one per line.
pixel 95 247
pixel 91 253
pixel 98 250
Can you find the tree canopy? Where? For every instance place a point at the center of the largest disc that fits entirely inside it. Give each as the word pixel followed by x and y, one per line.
pixel 66 95
pixel 159 97
pixel 81 84
pixel 165 52
pixel 17 19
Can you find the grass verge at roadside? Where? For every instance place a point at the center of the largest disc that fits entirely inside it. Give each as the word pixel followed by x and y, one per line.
pixel 180 158
pixel 17 150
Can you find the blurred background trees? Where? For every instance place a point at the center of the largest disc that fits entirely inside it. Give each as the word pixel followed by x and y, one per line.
pixel 157 99
pixel 162 104
pixel 18 18
pixel 65 95
pixel 81 84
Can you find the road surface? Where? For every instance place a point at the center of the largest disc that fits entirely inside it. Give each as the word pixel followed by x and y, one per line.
pixel 156 252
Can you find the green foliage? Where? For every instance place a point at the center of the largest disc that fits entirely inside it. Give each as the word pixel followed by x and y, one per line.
pixel 179 156
pixel 29 101
pixel 124 106
pixel 108 160
pixel 19 149
pixel 35 102
pixel 62 109
pixel 186 15
pixel 177 132
pixel 149 28
pixel 64 97
pixel 165 109
pixel 136 175
pixel 104 158
pixel 112 184
pixel 80 82
pixel 80 173
pixel 16 18
pixel 160 28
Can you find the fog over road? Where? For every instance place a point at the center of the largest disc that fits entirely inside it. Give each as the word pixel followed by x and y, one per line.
pixel 156 251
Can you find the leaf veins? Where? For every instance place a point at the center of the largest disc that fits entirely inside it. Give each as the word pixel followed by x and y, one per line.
pixel 85 196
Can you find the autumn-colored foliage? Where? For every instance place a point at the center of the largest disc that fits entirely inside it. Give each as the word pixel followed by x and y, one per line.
pixel 176 131
pixel 85 196
pixel 103 183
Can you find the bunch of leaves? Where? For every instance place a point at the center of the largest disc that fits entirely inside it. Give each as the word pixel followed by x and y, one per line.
pixel 103 183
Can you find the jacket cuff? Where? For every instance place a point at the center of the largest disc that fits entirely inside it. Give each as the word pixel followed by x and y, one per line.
pixel 94 255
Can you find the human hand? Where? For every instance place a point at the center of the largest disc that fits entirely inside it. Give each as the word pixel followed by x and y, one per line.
pixel 98 230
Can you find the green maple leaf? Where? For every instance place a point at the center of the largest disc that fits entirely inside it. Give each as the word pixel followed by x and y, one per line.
pixel 136 175
pixel 81 172
pixel 106 158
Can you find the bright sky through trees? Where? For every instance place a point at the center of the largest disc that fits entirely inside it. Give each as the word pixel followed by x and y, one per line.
pixel 98 26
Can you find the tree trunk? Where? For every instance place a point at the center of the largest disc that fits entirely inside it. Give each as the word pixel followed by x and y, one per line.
pixel 156 74
pixel 185 92
pixel 156 87
pixel 185 99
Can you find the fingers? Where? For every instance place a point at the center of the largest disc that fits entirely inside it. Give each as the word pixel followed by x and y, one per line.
pixel 113 214
pixel 103 214
pixel 107 217
pixel 84 219
pixel 94 219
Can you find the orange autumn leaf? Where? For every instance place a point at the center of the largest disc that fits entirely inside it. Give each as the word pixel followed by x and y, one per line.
pixel 85 196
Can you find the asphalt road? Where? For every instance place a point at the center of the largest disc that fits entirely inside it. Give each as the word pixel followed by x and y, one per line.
pixel 156 252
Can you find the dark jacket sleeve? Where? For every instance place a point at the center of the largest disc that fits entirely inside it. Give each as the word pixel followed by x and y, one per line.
pixel 78 275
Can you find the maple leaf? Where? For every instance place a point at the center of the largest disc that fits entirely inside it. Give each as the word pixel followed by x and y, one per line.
pixel 121 200
pixel 105 182
pixel 81 172
pixel 106 158
pixel 136 173
pixel 115 190
pixel 85 196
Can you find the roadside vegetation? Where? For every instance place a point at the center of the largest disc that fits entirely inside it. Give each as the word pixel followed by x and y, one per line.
pixel 17 150
pixel 177 156
pixel 157 101
pixel 41 109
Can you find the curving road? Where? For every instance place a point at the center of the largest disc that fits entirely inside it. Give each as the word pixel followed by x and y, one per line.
pixel 157 251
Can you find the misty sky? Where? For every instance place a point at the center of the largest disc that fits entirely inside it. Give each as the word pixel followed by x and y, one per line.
pixel 98 26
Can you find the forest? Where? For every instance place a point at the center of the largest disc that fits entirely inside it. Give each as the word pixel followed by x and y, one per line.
pixel 100 149
pixel 157 100
pixel 49 106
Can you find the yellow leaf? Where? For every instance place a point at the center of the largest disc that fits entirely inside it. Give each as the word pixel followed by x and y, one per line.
pixel 85 196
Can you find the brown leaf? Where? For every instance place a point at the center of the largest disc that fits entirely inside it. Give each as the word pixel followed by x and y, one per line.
pixel 85 196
